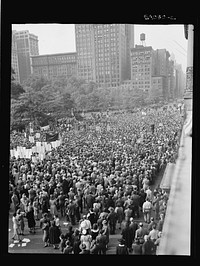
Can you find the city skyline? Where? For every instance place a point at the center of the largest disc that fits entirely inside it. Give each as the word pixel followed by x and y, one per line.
pixel 60 38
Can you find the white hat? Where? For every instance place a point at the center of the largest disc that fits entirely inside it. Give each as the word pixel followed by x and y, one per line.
pixel 84 232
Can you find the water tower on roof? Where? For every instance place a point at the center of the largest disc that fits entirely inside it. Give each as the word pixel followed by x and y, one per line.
pixel 142 39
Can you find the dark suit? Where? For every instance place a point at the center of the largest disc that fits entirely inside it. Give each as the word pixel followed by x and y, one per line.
pixel 148 248
pixel 127 236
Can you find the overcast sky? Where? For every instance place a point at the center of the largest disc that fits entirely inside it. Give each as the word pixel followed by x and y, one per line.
pixel 60 38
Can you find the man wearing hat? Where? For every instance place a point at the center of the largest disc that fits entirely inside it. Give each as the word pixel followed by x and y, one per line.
pixel 86 239
pixel 112 219
pixel 121 249
pixel 148 247
pixel 136 247
pixel 141 232
pixel 133 226
pixel 101 241
pixel 146 208
pixel 83 249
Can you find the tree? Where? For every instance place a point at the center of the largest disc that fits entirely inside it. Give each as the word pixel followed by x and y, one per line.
pixel 16 88
pixel 36 82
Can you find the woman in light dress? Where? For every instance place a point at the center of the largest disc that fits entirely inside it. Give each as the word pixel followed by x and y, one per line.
pixel 16 229
pixel 53 208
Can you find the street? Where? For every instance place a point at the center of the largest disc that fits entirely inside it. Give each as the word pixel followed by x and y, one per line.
pixel 37 246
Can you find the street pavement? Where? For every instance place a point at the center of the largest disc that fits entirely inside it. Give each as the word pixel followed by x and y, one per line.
pixel 32 243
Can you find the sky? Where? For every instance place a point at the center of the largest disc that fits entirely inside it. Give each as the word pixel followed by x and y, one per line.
pixel 60 38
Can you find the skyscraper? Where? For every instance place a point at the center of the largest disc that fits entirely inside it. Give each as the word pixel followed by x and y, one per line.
pixel 103 52
pixel 14 59
pixel 27 45
pixel 141 68
pixel 161 68
pixel 84 35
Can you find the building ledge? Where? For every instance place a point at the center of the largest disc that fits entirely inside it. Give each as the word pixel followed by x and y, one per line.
pixel 177 225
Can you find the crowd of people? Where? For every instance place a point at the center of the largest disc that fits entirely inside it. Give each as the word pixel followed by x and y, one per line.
pixel 98 181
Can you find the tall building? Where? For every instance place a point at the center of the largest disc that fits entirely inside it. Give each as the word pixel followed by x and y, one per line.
pixel 27 45
pixel 14 58
pixel 103 52
pixel 84 35
pixel 53 65
pixel 157 84
pixel 180 81
pixel 141 68
pixel 161 67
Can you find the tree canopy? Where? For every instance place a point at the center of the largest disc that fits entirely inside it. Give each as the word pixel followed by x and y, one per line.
pixel 41 100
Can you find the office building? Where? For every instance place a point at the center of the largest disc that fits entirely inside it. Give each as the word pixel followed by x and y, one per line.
pixel 84 35
pixel 180 81
pixel 163 67
pixel 156 91
pixel 53 65
pixel 27 45
pixel 14 59
pixel 141 68
pixel 103 52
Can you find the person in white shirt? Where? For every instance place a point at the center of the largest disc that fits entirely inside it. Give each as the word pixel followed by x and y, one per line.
pixel 146 208
pixel 85 224
pixel 153 234
pixel 86 239
pixel 149 194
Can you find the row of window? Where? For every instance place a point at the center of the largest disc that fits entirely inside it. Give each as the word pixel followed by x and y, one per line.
pixel 141 69
pixel 45 61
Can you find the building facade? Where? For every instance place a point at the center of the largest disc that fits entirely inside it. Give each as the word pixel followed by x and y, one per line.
pixel 161 66
pixel 157 85
pixel 84 35
pixel 153 72
pixel 53 65
pixel 27 45
pixel 180 81
pixel 103 52
pixel 14 58
pixel 141 68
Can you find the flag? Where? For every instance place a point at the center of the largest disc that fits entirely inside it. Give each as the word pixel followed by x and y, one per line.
pixel 52 137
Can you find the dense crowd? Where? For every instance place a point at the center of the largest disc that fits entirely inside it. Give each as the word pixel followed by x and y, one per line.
pixel 97 181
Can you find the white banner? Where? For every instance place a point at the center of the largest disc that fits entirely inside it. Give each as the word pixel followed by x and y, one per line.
pixel 38 143
pixel 37 135
pixel 28 153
